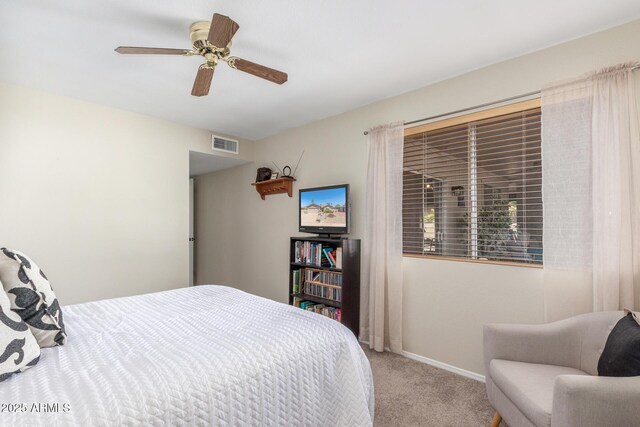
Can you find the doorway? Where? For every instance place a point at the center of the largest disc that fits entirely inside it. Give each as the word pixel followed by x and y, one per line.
pixel 192 238
pixel 201 164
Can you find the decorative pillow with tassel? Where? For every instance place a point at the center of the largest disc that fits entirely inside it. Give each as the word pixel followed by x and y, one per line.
pixel 32 297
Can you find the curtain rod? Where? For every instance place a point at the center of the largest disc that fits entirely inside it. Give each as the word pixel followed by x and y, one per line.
pixel 486 104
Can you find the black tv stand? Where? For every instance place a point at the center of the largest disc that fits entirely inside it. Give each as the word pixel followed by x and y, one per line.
pixel 329 236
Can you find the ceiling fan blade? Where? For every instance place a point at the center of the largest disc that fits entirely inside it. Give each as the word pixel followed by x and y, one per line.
pixel 221 30
pixel 203 81
pixel 151 51
pixel 258 70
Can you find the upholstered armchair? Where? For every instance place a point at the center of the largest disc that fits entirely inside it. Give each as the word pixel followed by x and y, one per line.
pixel 546 375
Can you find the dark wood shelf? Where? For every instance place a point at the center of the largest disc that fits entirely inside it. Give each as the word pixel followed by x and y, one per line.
pixel 274 186
pixel 350 304
pixel 317 267
pixel 319 300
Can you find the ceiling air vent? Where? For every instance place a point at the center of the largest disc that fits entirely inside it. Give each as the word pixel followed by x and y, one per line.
pixel 219 143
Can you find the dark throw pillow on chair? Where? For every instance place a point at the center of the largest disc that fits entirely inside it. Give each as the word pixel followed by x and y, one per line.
pixel 621 354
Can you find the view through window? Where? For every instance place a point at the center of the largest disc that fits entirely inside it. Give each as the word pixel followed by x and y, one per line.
pixel 473 186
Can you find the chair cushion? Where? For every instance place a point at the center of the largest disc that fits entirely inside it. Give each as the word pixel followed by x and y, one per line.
pixel 529 386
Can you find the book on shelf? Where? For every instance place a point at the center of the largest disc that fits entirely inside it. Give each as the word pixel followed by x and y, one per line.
pixel 326 277
pixel 338 256
pixel 330 312
pixel 313 253
pixel 327 257
pixel 332 257
pixel 326 292
pixel 305 304
pixel 298 280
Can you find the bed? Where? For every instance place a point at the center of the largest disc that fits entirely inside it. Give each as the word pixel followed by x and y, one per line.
pixel 207 355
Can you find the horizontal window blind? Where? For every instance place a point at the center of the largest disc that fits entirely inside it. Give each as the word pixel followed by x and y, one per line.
pixel 473 190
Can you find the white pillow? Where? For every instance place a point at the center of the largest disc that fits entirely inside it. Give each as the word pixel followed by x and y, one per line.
pixel 32 297
pixel 19 349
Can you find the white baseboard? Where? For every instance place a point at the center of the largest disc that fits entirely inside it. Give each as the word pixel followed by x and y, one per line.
pixel 440 365
pixel 445 366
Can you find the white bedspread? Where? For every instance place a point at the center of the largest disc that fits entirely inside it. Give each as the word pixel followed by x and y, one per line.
pixel 209 355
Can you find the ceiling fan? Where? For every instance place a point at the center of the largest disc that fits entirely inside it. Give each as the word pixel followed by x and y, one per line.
pixel 213 42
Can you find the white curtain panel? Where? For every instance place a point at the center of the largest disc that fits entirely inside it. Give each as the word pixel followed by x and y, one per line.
pixel 591 163
pixel 381 292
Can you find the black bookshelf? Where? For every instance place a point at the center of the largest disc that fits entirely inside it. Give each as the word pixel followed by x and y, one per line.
pixel 349 304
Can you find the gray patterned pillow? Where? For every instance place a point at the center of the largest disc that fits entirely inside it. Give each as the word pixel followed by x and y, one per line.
pixel 19 349
pixel 32 297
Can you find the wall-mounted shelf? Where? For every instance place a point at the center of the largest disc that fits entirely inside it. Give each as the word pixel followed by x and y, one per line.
pixel 275 186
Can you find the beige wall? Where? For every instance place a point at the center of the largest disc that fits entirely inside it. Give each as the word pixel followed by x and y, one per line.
pixel 98 197
pixel 243 240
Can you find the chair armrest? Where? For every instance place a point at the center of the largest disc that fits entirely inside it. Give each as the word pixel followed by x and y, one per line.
pixel 556 343
pixel 587 401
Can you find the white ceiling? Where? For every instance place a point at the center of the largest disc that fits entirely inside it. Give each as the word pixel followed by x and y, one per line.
pixel 201 163
pixel 339 54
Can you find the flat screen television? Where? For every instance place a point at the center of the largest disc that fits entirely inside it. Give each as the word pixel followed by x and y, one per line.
pixel 325 210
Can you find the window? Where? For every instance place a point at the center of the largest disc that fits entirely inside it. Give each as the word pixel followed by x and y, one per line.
pixel 473 186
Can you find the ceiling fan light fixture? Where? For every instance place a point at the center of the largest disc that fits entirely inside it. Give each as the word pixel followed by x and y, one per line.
pixel 198 31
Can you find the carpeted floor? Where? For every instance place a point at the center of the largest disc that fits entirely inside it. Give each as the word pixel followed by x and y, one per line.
pixel 410 393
